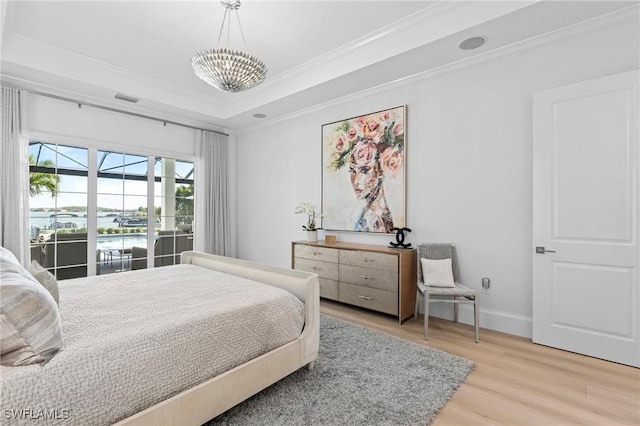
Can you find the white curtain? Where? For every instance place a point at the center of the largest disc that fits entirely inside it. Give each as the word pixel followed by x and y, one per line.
pixel 212 233
pixel 14 174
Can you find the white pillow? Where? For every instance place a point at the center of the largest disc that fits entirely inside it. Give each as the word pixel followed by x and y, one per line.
pixel 46 278
pixel 30 329
pixel 437 272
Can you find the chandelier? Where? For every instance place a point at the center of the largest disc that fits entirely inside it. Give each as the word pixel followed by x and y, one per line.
pixel 226 69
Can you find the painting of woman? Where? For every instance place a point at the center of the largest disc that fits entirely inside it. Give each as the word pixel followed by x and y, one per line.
pixel 363 172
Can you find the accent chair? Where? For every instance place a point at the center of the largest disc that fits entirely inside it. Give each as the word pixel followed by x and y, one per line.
pixel 455 292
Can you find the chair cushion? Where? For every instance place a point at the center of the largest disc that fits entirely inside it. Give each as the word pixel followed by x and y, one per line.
pixel 437 272
pixel 30 329
pixel 458 290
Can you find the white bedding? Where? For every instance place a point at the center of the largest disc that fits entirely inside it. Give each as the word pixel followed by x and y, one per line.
pixel 132 340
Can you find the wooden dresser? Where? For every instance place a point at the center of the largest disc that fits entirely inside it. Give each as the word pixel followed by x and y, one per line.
pixel 371 276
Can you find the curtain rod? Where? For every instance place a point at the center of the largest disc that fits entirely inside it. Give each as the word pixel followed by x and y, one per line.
pixel 121 111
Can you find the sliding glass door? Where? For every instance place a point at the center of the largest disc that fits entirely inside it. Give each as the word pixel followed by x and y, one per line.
pixel 122 219
pixel 58 182
pixel 174 203
pixel 127 235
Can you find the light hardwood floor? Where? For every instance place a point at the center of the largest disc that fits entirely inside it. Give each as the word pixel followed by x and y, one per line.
pixel 516 382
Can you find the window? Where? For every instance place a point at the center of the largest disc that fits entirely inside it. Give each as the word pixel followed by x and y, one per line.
pixel 58 187
pixel 122 219
pixel 59 181
pixel 173 210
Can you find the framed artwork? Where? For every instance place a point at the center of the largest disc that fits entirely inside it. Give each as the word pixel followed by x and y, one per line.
pixel 363 172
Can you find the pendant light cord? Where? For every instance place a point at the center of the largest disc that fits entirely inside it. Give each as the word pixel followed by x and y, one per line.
pixel 227 11
pixel 244 41
pixel 224 18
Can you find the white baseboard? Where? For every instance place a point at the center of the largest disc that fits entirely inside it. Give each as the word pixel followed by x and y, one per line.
pixel 493 320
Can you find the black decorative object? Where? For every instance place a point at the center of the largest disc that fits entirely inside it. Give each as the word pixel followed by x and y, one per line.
pixel 400 238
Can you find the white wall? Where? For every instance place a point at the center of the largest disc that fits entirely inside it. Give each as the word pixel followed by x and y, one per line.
pixel 469 165
pixel 97 128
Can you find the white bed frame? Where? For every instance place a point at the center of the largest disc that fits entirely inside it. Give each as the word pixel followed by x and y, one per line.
pixel 203 402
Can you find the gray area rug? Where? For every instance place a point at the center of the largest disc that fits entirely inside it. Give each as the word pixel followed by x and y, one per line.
pixel 361 377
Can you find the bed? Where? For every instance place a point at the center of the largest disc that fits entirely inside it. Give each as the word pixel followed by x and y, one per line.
pixel 222 329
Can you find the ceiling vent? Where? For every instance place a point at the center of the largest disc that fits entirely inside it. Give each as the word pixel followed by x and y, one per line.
pixel 126 98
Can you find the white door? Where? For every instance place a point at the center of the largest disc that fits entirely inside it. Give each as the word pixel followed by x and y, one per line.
pixel 585 218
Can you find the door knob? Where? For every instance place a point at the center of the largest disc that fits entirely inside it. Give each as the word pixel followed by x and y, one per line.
pixel 542 250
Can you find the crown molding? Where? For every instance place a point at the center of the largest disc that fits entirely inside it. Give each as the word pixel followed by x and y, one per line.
pixel 627 16
pixel 37 55
pixel 30 47
pixel 33 87
pixel 425 26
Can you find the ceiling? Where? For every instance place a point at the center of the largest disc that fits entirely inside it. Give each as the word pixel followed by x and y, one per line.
pixel 316 51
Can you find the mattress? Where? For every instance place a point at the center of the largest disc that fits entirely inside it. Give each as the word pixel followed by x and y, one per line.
pixel 132 340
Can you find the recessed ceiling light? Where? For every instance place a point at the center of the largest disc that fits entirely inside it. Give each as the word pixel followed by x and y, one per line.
pixel 472 43
pixel 126 98
pixel 259 115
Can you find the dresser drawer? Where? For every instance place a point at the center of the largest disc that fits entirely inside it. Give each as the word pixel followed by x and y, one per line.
pixel 367 297
pixel 367 259
pixel 323 269
pixel 328 289
pixel 376 278
pixel 316 253
pixel 379 278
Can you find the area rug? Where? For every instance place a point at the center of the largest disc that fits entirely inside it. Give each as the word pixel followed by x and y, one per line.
pixel 361 377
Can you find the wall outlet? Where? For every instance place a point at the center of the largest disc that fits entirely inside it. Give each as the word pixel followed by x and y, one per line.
pixel 486 285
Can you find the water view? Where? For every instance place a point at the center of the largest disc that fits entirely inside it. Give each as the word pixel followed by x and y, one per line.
pixel 130 228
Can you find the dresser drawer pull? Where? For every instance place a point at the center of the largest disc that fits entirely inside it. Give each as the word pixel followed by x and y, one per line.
pixel 315 253
pixel 367 260
pixel 315 268
pixel 366 277
pixel 365 297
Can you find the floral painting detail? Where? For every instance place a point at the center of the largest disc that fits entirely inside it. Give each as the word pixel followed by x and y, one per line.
pixel 363 176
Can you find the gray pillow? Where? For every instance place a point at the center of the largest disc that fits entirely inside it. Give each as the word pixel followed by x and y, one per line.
pixel 30 329
pixel 46 278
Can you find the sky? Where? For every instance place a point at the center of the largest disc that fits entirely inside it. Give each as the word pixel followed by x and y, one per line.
pixel 111 192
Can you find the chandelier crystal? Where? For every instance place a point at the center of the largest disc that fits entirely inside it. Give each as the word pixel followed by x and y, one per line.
pixel 226 69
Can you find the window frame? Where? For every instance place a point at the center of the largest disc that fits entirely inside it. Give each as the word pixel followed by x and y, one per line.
pixel 93 173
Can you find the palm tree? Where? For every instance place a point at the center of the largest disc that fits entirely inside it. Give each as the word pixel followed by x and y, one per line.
pixel 184 204
pixel 39 181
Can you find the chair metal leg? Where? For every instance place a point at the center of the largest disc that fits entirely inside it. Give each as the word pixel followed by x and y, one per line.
pixel 415 313
pixel 426 315
pixel 455 309
pixel 476 313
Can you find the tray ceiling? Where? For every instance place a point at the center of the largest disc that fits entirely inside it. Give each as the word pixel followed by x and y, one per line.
pixel 316 51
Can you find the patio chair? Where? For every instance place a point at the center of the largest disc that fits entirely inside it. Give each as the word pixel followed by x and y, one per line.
pixel 71 252
pixel 167 249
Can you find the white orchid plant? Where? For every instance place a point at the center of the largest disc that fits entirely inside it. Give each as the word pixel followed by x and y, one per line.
pixel 310 210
